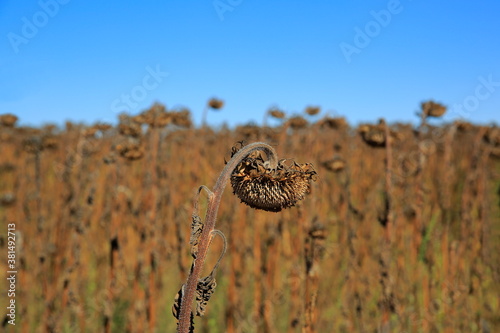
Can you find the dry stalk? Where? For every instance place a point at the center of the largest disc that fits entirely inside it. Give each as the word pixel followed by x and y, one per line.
pixel 250 175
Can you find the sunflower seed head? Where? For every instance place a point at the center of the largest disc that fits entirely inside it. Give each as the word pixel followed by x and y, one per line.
pixel 261 187
pixel 433 109
pixel 8 120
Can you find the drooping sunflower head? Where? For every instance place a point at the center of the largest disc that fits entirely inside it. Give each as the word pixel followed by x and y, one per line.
pixel 261 187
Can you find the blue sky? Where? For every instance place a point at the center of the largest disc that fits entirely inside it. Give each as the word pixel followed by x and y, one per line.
pixel 87 61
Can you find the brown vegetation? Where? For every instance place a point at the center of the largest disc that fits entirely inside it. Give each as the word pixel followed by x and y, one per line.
pixel 404 237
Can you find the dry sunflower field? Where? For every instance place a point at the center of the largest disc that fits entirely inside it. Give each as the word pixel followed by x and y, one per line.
pixel 400 231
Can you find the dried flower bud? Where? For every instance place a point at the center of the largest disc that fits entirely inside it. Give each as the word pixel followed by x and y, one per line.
pixel 204 290
pixel 260 187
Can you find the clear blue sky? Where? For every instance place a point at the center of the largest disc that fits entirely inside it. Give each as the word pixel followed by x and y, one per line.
pixel 88 60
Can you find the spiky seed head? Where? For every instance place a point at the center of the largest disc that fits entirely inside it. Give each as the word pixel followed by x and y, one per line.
pixel 260 187
pixel 215 103
pixel 433 109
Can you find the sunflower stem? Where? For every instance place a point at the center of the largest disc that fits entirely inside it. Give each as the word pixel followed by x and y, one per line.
pixel 214 200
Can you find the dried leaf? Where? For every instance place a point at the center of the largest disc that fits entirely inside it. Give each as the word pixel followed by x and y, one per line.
pixel 204 289
pixel 196 230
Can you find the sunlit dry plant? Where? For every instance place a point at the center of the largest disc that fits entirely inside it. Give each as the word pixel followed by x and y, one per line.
pixel 132 129
pixel 181 118
pixel 276 113
pixel 156 116
pixel 297 122
pixel 102 127
pixel 463 126
pixel 433 109
pixel 492 137
pixel 33 144
pixel 262 182
pixel 373 135
pixel 8 120
pixel 215 103
pixel 248 131
pixel 312 110
pixel 336 164
pixel 130 150
pixel 89 132
pixel 49 142
pixel 272 189
pixel 335 123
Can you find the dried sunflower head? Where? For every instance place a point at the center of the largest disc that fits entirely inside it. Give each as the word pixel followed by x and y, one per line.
pixel 276 113
pixel 181 118
pixel 297 122
pixel 433 109
pixel 215 103
pixel 373 135
pixel 336 164
pixel 261 187
pixel 313 110
pixel 130 150
pixel 335 123
pixel 8 120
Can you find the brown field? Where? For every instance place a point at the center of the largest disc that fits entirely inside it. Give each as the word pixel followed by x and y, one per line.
pixel 398 235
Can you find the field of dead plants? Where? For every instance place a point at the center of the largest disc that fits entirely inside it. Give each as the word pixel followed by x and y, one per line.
pixel 399 233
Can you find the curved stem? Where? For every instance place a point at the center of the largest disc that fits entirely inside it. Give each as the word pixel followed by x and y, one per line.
pixel 210 218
